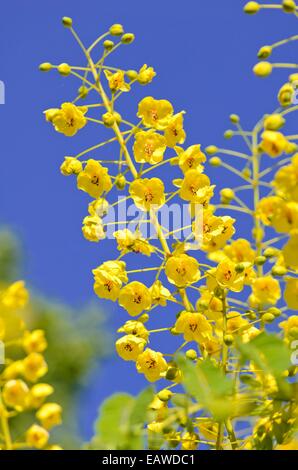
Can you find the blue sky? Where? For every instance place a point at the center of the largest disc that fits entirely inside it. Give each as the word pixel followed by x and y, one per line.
pixel 203 52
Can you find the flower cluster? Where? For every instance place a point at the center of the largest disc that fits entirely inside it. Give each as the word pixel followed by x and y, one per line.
pixel 227 293
pixel 21 388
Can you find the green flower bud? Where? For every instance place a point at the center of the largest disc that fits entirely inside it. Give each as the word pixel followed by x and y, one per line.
pixel 279 271
pixel 228 340
pixel 120 182
pixel 108 45
pixel 262 69
pixel 251 8
pixel 116 30
pixel 260 260
pixel 268 317
pixel 251 315
pixel 234 118
pixel 293 332
pixel 83 91
pixel 165 395
pixel 191 354
pixel 67 22
pixel 127 38
pixel 265 52
pixel 270 252
pixel 45 67
pixel 171 373
pixel 215 161
pixel 239 268
pixel 228 134
pixel 289 6
pixel 211 150
pixel 64 69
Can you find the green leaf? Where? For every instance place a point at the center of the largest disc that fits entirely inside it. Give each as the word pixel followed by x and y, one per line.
pixel 140 408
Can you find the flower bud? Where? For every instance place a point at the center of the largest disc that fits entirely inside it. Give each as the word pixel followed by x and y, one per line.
pixel 118 117
pixel 270 252
pixel 67 22
pixel 260 260
pixel 215 161
pixel 278 271
pixel 171 373
pixel 116 30
pixel 64 69
pixel 227 195
pixel 108 45
pixel 251 8
pixel 251 315
pixel 268 317
pixel 127 38
pixel 45 67
pixel 286 95
pixel 165 395
pixel 211 150
pixel 228 134
pixel 246 172
pixel 191 354
pixel 108 119
pixel 275 311
pixel 258 234
pixel 293 332
pixel 71 166
pixel 234 118
pixel 144 318
pixel 228 340
pixel 132 74
pixel 239 268
pixel 262 69
pixel 83 91
pixel 265 52
pixel 120 182
pixel 289 6
pixel 274 122
pixel 291 148
pixel 293 77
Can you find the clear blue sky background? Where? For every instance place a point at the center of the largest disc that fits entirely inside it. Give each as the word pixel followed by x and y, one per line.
pixel 203 52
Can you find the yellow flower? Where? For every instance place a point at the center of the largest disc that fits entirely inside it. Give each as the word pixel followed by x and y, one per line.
pixel 274 143
pixel 196 187
pixel 290 251
pixel 15 296
pixel 286 180
pixel 146 75
pixel 129 347
pixel 37 437
pixel 194 326
pixel 147 193
pixel 239 251
pixel 132 242
pixel 38 393
pixel 94 179
pixel 155 113
pixel 34 367
pixel 15 394
pixel 49 415
pixel 290 326
pixel 192 158
pixel 236 324
pixel 135 297
pixel 93 228
pixel 217 231
pixel 208 429
pixel 100 207
pixel 136 328
pixel 182 270
pixel 71 166
pixel 174 132
pixel 189 441
pixel 67 120
pixel 149 147
pixel 160 294
pixel 291 293
pixel 108 278
pixel 152 364
pixel 34 341
pixel 116 81
pixel 265 290
pixel 227 276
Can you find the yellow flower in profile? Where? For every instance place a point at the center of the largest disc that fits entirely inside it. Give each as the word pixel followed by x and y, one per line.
pixel 49 415
pixel 108 279
pixel 196 187
pixel 152 364
pixel 274 143
pixel 129 241
pixel 15 393
pixel 290 251
pixel 227 276
pixel 67 120
pixel 278 213
pixel 191 158
pixel 71 166
pixel 94 179
pixel 155 113
pixel 100 207
pixel 149 147
pixel 291 293
pixel 135 297
pixel 129 347
pixel 37 437
pixel 93 229
pixel 135 328
pixel 34 367
pixel 174 132
pixel 34 341
pixel 194 326
pixel 15 296
pixel 38 393
pixel 146 75
pixel 266 290
pixel 147 193
pixel 182 270
pixel 290 326
pixel 116 81
pixel 160 294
